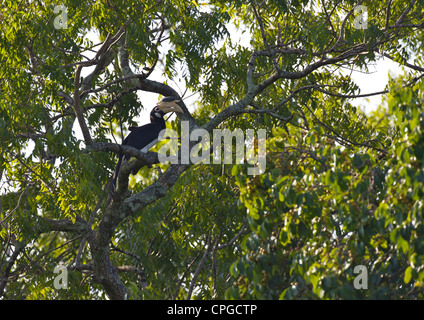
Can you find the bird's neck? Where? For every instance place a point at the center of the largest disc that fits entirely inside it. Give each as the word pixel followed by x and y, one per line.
pixel 161 122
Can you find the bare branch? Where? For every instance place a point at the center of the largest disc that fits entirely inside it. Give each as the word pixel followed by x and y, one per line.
pixel 199 268
pixel 77 108
pixel 148 158
pixel 339 138
pixel 259 110
pixel 185 274
pixel 90 267
pixel 254 90
pixel 111 83
pixel 329 19
pixel 87 63
pixel 65 97
pixel 404 14
pixel 19 247
pixel 103 58
pixel 351 96
pixel 343 26
pixel 389 3
pixel 261 27
pixel 16 208
pixel 409 65
pixel 231 242
pixel 139 269
pixel 110 104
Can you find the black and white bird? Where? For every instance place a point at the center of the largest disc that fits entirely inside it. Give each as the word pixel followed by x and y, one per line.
pixel 144 137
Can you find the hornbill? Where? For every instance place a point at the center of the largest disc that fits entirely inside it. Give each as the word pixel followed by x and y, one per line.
pixel 146 136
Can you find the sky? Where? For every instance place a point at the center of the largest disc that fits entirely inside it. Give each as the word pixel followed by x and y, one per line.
pixel 375 81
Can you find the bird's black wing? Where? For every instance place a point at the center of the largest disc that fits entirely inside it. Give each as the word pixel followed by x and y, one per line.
pixel 139 137
pixel 142 136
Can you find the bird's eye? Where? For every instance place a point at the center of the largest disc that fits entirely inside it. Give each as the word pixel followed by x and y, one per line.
pixel 157 109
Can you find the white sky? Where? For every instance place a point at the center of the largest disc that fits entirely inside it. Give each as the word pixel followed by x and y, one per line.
pixel 375 81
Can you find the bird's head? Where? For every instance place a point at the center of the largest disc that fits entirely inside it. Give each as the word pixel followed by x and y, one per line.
pixel 167 104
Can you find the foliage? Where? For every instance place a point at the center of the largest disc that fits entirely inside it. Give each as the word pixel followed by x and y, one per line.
pixel 342 187
pixel 325 209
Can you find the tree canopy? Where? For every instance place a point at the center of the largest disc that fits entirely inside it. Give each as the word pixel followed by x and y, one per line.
pixel 343 187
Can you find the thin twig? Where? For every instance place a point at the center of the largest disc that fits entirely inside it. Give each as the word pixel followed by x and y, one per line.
pixel 199 268
pixel 16 208
pixel 185 274
pixel 343 26
pixel 231 242
pixel 77 108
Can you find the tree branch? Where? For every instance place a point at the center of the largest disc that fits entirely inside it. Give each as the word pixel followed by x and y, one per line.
pixel 231 242
pixel 199 267
pixel 77 108
pixel 147 158
pixel 261 27
pixel 66 225
pixel 343 26
pixel 19 247
pixel 409 65
pixel 389 3
pixel 404 14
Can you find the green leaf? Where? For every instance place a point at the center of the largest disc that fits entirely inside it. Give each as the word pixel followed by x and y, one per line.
pixel 403 244
pixel 408 275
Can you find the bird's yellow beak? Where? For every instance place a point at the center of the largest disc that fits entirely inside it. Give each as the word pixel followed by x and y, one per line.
pixel 169 106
